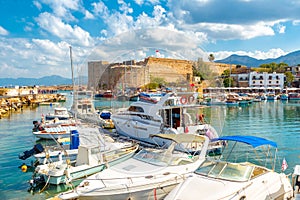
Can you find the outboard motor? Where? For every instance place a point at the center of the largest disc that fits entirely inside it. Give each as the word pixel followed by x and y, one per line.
pixel 35 182
pixel 37 126
pixel 38 148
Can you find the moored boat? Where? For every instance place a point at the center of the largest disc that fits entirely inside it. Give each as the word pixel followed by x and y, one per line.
pixel 173 113
pixel 89 160
pixel 294 96
pixel 60 113
pixel 149 174
pixel 236 178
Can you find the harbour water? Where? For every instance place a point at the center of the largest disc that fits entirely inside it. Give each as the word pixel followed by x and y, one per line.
pixel 275 120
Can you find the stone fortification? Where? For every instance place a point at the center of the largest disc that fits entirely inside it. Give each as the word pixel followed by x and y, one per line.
pixel 171 70
pixel 109 76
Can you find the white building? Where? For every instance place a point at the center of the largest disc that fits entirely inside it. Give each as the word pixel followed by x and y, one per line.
pixel 266 80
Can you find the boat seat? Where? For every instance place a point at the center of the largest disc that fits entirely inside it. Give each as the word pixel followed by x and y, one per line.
pixel 181 161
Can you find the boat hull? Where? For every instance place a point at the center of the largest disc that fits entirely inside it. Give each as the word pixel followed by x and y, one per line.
pixel 149 192
pixel 59 173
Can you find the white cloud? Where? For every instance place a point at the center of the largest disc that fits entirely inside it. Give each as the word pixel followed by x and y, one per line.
pixel 57 27
pixel 37 58
pixel 88 15
pixel 37 4
pixel 3 31
pixel 281 28
pixel 63 8
pixel 147 2
pixel 272 53
pixel 124 7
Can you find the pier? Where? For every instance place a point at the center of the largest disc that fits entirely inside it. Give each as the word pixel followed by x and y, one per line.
pixel 14 99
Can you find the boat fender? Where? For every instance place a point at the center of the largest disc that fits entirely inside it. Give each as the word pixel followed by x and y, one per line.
pixel 183 100
pixel 68 175
pixel 24 168
pixel 46 160
pixel 191 99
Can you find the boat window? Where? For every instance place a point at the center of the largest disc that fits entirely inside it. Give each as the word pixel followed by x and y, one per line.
pixel 227 171
pixel 162 158
pixel 151 157
pixel 135 109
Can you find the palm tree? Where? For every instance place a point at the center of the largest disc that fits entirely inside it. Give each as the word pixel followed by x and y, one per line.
pixel 211 57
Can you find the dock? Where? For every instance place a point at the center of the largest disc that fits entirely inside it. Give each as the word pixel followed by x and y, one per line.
pixel 10 104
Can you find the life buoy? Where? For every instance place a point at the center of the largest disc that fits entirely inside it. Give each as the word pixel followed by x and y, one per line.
pixel 191 99
pixel 183 100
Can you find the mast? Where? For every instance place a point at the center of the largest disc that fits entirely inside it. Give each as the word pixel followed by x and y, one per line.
pixel 73 82
pixel 72 69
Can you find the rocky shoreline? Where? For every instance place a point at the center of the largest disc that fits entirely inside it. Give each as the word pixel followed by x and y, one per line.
pixel 10 104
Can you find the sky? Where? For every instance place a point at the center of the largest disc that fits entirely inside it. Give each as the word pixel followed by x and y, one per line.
pixel 36 35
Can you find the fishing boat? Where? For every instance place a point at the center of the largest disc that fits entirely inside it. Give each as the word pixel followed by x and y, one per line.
pixel 172 113
pixel 90 160
pixel 149 174
pixel 83 108
pixel 234 176
pixel 60 113
pixel 54 132
pixel 271 96
pixel 294 96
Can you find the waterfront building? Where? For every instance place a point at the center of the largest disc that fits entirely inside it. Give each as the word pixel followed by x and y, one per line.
pixel 266 80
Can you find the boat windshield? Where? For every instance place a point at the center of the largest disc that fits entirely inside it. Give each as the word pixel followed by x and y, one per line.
pixel 163 158
pixel 224 170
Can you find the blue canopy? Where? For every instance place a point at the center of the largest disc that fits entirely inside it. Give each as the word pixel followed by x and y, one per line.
pixel 251 140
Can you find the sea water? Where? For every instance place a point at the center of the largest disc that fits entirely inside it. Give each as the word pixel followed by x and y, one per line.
pixel 275 120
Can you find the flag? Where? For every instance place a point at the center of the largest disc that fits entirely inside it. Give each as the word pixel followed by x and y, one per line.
pixel 284 165
pixel 209 134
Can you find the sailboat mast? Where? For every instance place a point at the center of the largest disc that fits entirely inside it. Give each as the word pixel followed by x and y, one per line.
pixel 72 69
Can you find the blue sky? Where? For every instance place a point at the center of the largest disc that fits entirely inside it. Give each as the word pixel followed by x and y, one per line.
pixel 35 35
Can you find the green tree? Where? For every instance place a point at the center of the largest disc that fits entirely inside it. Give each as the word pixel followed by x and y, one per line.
pixel 228 82
pixel 289 78
pixel 226 73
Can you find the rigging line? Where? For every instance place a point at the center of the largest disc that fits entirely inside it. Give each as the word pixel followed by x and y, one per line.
pixel 42 190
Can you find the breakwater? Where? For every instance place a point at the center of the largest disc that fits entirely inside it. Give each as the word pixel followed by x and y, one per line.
pixel 11 104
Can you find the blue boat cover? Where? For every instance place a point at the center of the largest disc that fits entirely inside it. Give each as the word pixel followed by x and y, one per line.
pixel 251 140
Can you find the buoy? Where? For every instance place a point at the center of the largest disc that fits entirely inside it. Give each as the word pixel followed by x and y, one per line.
pixel 183 100
pixel 24 168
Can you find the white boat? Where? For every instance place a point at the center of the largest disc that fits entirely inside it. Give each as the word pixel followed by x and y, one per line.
pixel 95 152
pixel 90 160
pixel 296 182
pixel 83 107
pixel 53 155
pixel 60 113
pixel 55 132
pixel 229 179
pixel 173 113
pixel 149 174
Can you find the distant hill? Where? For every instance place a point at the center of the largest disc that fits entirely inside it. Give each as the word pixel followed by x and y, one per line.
pixel 291 59
pixel 45 81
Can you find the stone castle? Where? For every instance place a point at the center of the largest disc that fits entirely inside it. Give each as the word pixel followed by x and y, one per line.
pixel 110 76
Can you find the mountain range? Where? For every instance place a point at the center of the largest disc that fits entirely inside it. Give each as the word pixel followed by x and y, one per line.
pixel 44 81
pixel 292 59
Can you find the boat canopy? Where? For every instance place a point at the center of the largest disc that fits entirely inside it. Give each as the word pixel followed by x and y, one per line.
pixel 181 138
pixel 251 140
pixel 297 170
